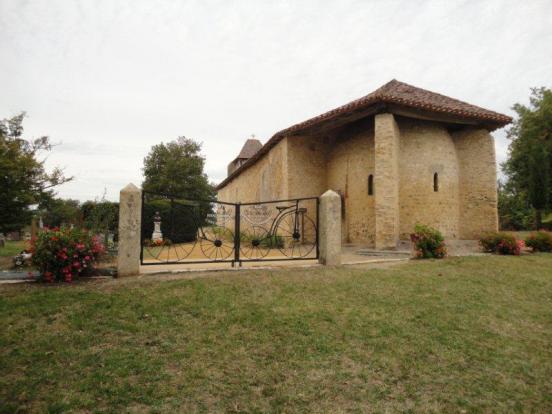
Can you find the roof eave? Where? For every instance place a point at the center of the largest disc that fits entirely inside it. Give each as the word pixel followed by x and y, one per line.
pixel 369 106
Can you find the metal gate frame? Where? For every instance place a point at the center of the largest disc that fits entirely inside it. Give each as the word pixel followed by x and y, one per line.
pixel 237 256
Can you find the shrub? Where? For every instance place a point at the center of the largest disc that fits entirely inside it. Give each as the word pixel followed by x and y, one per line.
pixel 501 243
pixel 541 241
pixel 490 241
pixel 428 242
pixel 273 242
pixel 63 254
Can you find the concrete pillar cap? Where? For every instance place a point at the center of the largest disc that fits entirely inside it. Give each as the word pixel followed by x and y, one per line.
pixel 330 193
pixel 130 188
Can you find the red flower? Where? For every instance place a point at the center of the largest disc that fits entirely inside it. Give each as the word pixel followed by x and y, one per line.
pixel 48 276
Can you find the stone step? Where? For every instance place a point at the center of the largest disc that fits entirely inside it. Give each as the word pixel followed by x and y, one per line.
pixel 374 252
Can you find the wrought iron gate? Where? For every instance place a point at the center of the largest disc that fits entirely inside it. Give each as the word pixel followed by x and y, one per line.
pixel 177 231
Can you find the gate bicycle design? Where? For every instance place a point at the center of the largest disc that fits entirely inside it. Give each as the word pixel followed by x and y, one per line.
pixel 176 230
pixel 292 232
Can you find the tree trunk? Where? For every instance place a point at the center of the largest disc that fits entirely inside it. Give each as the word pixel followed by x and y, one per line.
pixel 538 219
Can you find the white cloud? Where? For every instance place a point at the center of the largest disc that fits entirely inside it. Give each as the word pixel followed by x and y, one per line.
pixel 109 79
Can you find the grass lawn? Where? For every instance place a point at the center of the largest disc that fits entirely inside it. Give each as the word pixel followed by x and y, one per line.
pixel 458 335
pixel 10 249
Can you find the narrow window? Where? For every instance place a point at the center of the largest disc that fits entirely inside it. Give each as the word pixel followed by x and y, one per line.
pixel 370 184
pixel 435 182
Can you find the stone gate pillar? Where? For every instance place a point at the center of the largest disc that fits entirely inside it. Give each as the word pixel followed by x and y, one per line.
pixel 329 236
pixel 386 179
pixel 130 217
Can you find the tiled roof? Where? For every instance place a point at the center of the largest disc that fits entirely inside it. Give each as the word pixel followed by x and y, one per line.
pixel 250 148
pixel 393 92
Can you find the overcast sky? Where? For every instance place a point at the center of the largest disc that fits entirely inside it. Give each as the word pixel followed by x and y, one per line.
pixel 109 79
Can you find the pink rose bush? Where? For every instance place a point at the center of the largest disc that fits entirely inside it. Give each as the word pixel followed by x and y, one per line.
pixel 64 254
pixel 502 243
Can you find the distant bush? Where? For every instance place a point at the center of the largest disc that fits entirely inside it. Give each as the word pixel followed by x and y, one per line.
pixel 428 242
pixel 540 241
pixel 101 216
pixel 547 222
pixel 63 254
pixel 268 242
pixel 273 242
pixel 501 243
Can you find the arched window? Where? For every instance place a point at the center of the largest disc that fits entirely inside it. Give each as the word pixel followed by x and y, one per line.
pixel 370 184
pixel 435 182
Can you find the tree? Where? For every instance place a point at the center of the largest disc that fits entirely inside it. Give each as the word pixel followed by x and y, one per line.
pixel 23 178
pixel 529 166
pixel 101 216
pixel 514 211
pixel 176 168
pixel 57 212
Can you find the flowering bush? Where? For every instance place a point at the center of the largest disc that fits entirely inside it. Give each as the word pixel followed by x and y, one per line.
pixel 501 243
pixel 157 243
pixel 428 242
pixel 63 254
pixel 541 241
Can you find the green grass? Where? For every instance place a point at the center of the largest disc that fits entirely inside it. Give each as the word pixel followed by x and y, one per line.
pixel 12 248
pixel 458 335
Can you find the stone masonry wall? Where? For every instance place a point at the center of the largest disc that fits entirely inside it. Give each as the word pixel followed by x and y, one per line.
pixel 403 155
pixel 294 168
pixel 478 193
pixel 265 180
pixel 350 162
pixel 306 165
pixel 427 148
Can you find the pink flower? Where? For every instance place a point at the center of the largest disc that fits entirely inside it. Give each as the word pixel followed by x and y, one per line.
pixel 521 244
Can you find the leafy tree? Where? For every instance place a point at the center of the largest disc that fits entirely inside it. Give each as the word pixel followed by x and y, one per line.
pixel 514 210
pixel 100 216
pixel 176 168
pixel 57 211
pixel 23 178
pixel 529 166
